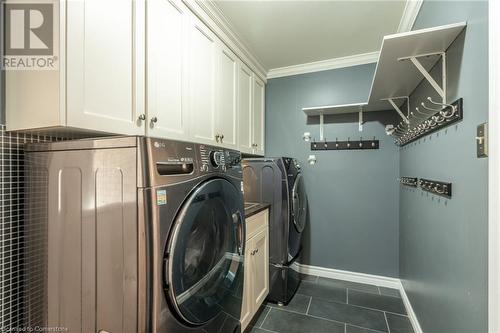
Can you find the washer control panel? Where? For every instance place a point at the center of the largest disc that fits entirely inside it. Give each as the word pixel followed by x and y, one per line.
pixel 214 159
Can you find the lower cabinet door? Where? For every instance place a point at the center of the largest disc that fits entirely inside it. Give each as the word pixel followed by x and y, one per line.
pixel 246 307
pixel 260 267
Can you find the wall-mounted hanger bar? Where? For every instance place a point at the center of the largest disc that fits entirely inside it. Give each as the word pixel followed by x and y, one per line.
pixel 429 122
pixel 409 181
pixel 345 145
pixel 398 110
pixel 435 187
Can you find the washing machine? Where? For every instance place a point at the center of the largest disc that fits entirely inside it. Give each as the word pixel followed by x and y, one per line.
pixel 279 181
pixel 135 234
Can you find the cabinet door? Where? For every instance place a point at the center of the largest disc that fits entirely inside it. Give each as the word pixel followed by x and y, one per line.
pixel 260 267
pixel 105 65
pixel 245 118
pixel 246 307
pixel 258 117
pixel 227 97
pixel 166 69
pixel 202 69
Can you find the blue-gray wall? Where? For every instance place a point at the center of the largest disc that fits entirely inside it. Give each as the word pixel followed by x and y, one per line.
pixel 443 243
pixel 353 195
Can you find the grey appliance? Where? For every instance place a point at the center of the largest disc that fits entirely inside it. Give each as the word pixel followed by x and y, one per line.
pixel 279 181
pixel 134 234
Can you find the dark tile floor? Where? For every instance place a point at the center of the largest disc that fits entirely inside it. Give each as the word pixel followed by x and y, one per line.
pixel 335 306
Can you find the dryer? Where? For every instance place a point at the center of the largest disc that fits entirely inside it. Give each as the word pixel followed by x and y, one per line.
pixel 150 231
pixel 279 181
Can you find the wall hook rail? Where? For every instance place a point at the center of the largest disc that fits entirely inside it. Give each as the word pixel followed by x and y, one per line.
pixel 435 187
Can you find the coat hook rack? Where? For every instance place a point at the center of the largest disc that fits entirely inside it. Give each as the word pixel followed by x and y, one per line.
pixel 345 145
pixel 435 187
pixel 409 181
pixel 426 120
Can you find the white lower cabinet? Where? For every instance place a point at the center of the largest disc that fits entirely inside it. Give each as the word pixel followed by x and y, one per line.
pixel 256 280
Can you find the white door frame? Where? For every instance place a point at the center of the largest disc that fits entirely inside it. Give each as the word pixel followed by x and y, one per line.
pixel 494 169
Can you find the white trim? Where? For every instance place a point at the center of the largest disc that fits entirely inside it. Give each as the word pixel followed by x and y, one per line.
pixel 409 309
pixel 410 13
pixel 494 170
pixel 212 16
pixel 323 65
pixel 376 280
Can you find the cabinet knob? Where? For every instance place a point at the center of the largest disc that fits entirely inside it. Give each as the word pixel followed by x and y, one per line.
pixel 154 120
pixel 142 117
pixel 221 138
pixel 217 136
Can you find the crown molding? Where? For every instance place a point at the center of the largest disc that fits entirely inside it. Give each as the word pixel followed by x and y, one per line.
pixel 213 17
pixel 323 65
pixel 410 13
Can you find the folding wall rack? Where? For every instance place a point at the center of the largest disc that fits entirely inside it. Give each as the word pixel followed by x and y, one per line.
pixel 405 60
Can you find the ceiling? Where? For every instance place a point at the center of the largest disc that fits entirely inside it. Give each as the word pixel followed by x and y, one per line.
pixel 286 33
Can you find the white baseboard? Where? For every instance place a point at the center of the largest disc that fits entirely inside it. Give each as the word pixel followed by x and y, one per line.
pixel 409 310
pixel 377 280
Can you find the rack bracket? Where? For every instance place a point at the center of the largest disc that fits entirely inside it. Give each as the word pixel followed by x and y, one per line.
pixel 398 110
pixel 440 90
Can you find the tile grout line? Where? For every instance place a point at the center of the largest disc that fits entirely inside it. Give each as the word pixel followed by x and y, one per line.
pixel 267 314
pixel 360 306
pixel 309 305
pixel 379 291
pixel 347 295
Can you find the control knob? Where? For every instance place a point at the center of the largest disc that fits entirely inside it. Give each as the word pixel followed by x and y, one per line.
pixel 216 158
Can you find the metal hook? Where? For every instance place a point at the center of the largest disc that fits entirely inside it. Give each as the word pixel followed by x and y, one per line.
pixel 445 114
pixel 428 108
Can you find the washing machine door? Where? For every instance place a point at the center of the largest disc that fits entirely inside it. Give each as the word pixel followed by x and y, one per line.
pixel 203 260
pixel 299 203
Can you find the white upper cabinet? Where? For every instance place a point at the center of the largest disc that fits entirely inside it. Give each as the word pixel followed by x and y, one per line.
pixel 201 80
pixel 167 27
pixel 245 113
pixel 105 65
pixel 258 116
pixel 122 70
pixel 227 98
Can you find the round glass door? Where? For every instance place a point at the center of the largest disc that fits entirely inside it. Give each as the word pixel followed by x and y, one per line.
pixel 204 252
pixel 299 203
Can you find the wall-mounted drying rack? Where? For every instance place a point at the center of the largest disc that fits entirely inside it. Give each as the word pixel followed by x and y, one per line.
pixel 435 187
pixel 409 181
pixel 345 145
pixel 405 60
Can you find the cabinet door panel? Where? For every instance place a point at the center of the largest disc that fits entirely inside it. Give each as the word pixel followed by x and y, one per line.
pixel 166 68
pixel 202 82
pixel 227 97
pixel 245 118
pixel 258 117
pixel 105 65
pixel 246 307
pixel 260 267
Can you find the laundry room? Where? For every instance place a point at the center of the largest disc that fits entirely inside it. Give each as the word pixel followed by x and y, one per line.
pixel 250 166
